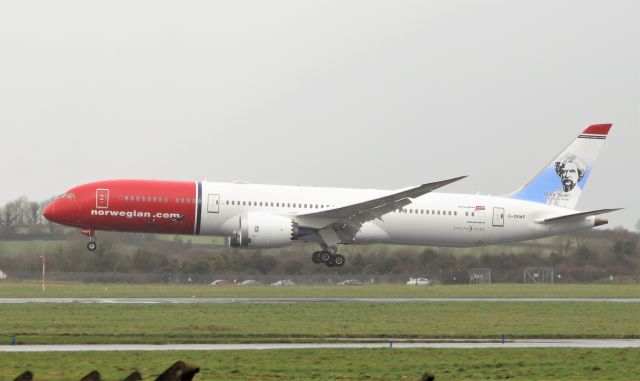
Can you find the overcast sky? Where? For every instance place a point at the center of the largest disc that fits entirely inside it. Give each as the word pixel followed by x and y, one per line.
pixel 376 94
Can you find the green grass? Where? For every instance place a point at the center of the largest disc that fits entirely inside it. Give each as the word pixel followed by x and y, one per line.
pixel 61 289
pixel 308 322
pixel 35 247
pixel 334 364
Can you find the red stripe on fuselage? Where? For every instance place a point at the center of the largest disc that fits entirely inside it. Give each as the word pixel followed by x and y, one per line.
pixel 146 206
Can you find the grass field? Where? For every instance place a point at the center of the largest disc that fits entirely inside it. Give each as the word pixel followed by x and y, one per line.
pixel 33 247
pixel 332 364
pixel 308 322
pixel 13 289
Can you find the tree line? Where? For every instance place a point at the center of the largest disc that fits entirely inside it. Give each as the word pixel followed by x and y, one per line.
pixel 22 211
pixel 592 256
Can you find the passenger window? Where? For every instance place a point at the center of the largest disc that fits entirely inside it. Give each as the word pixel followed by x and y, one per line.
pixel 233 202
pixel 126 198
pixel 137 198
pixel 449 212
pixel 455 213
pixel 260 203
pixel 473 214
pixel 438 212
pixel 188 201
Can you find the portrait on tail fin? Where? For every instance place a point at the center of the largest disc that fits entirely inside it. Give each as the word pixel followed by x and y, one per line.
pixel 571 170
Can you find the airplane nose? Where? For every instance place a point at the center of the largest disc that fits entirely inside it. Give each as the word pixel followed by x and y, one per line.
pixel 49 211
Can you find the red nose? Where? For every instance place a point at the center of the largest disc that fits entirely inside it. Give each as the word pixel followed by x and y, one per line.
pixel 49 212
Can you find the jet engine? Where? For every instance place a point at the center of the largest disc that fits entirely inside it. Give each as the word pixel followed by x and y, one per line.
pixel 263 230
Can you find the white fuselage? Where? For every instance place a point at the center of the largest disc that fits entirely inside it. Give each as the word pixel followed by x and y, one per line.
pixel 438 219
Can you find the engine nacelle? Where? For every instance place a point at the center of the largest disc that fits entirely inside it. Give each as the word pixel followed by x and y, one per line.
pixel 263 230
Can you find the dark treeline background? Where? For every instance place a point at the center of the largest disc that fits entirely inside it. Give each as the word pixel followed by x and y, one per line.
pixel 25 236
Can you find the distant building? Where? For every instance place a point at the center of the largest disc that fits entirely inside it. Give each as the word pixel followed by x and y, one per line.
pixel 2 275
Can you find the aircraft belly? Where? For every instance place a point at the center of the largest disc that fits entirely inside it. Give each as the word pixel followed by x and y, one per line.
pixel 401 230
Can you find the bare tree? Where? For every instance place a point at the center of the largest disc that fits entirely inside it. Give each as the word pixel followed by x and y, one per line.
pixel 638 226
pixel 34 213
pixel 9 217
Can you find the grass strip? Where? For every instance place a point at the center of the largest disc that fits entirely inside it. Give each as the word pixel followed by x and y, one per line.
pixel 333 364
pixel 286 322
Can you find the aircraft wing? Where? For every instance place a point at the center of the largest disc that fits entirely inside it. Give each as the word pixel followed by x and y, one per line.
pixel 347 220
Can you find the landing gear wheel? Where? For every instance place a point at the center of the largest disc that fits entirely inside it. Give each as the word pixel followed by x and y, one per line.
pixel 92 246
pixel 325 256
pixel 316 257
pixel 339 260
pixel 331 262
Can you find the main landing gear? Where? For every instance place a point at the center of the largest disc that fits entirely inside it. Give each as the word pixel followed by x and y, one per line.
pixel 92 245
pixel 329 257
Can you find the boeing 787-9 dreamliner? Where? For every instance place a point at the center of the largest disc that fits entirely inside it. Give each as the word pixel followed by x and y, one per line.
pixel 267 216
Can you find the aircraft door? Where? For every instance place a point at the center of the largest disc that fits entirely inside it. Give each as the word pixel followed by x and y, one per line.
pixel 213 203
pixel 102 198
pixel 498 217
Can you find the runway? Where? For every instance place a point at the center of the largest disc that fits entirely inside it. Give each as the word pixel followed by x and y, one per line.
pixel 460 344
pixel 309 300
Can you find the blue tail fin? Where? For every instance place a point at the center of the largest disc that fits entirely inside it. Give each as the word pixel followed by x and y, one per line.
pixel 561 182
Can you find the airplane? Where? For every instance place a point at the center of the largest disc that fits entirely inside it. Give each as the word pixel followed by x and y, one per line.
pixel 270 216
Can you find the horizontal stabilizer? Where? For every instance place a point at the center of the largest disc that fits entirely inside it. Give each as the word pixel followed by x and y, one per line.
pixel 574 216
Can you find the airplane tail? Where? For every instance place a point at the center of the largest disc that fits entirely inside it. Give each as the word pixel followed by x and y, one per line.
pixel 561 182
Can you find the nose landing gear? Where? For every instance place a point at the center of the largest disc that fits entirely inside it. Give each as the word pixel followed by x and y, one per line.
pixel 92 245
pixel 329 257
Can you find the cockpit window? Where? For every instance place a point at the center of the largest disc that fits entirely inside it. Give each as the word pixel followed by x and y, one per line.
pixel 68 196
